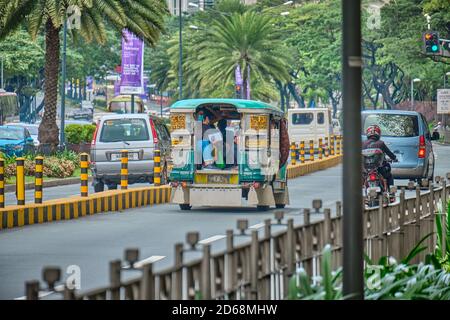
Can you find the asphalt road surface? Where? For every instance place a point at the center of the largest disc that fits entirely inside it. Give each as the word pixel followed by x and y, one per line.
pixel 91 242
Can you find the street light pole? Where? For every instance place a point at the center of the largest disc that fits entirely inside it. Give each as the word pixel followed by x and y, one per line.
pixel 63 84
pixel 412 92
pixel 353 267
pixel 180 62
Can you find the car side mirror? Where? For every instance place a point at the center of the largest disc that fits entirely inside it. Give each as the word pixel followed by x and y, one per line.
pixel 435 136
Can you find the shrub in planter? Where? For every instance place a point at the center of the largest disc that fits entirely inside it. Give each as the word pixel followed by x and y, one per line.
pixel 73 133
pixel 79 137
pixel 58 168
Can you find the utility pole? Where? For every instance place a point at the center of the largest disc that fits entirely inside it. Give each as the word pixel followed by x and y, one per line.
pixel 63 84
pixel 353 267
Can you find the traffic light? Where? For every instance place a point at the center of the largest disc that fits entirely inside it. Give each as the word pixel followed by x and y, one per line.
pixel 431 42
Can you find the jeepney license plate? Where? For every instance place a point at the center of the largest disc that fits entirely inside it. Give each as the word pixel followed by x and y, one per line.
pixel 118 156
pixel 218 178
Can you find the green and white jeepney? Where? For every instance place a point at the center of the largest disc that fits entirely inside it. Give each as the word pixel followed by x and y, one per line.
pixel 254 177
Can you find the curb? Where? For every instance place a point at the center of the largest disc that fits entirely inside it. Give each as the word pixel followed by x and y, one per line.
pixel 302 169
pixel 46 184
pixel 76 207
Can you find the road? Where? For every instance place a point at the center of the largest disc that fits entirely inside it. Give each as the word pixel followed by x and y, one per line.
pixel 93 241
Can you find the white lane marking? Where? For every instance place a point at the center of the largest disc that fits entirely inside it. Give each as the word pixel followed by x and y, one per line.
pixel 212 239
pixel 44 294
pixel 141 263
pixel 257 226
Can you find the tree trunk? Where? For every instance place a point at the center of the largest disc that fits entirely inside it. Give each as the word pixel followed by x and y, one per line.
pixel 48 130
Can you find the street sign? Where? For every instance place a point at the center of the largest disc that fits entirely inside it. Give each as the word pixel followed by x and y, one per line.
pixel 443 101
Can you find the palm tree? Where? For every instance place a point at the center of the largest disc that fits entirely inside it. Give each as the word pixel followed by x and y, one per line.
pixel 247 39
pixel 145 18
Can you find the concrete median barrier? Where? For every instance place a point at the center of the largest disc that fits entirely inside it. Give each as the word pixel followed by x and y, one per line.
pixel 302 169
pixel 76 207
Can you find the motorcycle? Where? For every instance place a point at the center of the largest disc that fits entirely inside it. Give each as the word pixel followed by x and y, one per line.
pixel 374 184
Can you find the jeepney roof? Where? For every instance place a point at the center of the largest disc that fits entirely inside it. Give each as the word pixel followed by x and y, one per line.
pixel 240 104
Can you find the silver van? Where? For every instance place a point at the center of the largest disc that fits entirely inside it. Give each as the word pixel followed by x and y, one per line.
pixel 140 134
pixel 407 135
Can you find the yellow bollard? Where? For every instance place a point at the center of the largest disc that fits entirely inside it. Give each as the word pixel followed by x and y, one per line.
pixel 20 181
pixel 84 165
pixel 338 145
pixel 320 149
pixel 302 151
pixel 327 151
pixel 2 183
pixel 124 170
pixel 293 154
pixel 157 168
pixel 38 179
pixel 332 144
pixel 311 150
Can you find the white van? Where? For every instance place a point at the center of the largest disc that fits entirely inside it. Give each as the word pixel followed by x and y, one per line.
pixel 309 124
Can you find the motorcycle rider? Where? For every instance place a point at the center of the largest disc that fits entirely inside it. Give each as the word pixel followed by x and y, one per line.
pixel 373 134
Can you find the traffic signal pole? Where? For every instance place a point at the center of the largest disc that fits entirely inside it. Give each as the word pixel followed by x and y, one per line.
pixel 353 268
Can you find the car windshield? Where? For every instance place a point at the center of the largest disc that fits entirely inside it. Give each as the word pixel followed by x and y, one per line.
pixel 392 125
pixel 10 133
pixel 32 130
pixel 115 130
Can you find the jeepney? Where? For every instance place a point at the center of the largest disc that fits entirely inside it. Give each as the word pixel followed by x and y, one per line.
pixel 250 173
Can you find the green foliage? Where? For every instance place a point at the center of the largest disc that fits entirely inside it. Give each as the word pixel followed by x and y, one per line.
pixel 440 258
pixel 59 165
pixel 326 287
pixel 100 103
pixel 391 280
pixel 21 56
pixel 77 133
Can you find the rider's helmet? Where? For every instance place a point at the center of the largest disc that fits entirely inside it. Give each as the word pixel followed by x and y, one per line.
pixel 373 131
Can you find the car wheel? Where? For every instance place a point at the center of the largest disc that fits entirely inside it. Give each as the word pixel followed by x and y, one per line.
pixel 99 186
pixel 185 206
pixel 280 206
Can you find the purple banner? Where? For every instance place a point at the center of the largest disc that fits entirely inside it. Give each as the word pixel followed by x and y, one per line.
pixel 89 82
pixel 238 76
pixel 144 95
pixel 132 64
pixel 116 88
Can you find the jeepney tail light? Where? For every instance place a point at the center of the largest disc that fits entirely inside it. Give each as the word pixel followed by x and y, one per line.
pixel 422 148
pixel 373 177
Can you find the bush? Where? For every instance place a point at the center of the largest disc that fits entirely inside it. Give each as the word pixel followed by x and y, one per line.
pixel 87 133
pixel 73 133
pixel 77 133
pixel 60 165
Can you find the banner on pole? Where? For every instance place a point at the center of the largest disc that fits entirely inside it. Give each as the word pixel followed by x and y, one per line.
pixel 443 101
pixel 132 77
